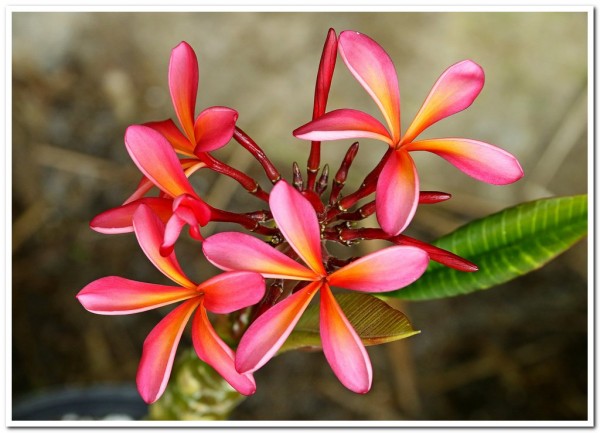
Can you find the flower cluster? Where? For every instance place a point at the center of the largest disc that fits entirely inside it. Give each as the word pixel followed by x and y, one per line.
pixel 273 278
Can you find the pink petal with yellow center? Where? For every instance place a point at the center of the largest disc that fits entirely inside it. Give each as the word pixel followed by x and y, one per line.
pixel 212 350
pixel 375 71
pixel 159 351
pixel 342 124
pixel 157 160
pixel 183 84
pixel 150 231
pixel 397 193
pixel 120 219
pixel 231 291
pixel 325 74
pixel 214 128
pixel 477 159
pixel 342 347
pixel 454 91
pixel 116 295
pixel 172 133
pixel 298 223
pixel 232 251
pixel 267 333
pixel 389 269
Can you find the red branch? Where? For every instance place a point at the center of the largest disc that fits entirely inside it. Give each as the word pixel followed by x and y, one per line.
pixel 347 235
pixel 243 179
pixel 251 146
pixel 244 220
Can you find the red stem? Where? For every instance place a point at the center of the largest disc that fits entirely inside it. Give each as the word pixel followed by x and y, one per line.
pixel 251 146
pixel 425 197
pixel 346 235
pixel 359 214
pixel 312 167
pixel 244 220
pixel 243 179
pixel 340 177
pixel 321 185
pixel 368 185
pixel 274 292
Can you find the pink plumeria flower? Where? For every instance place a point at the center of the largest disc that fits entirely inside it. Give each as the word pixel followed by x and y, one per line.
pixel 222 294
pixel 212 128
pixel 385 270
pixel 179 205
pixel 397 190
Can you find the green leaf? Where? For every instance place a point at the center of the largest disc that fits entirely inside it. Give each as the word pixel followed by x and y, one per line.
pixel 504 245
pixel 374 321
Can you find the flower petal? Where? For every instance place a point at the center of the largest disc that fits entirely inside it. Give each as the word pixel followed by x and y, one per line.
pixel 375 71
pixel 172 133
pixel 120 218
pixel 342 347
pixel 212 350
pixel 155 157
pixel 298 223
pixel 183 84
pixel 232 251
pixel 186 210
pixel 192 210
pixel 267 333
pixel 116 295
pixel 382 271
pixel 325 74
pixel 231 291
pixel 150 231
pixel 143 187
pixel 214 128
pixel 342 124
pixel 172 230
pixel 454 91
pixel 397 193
pixel 159 352
pixel 477 159
pixel 189 166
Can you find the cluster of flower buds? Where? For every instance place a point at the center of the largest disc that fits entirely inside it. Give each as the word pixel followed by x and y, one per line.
pixel 273 274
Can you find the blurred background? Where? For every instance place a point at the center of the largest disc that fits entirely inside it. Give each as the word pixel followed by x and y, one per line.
pixel 514 352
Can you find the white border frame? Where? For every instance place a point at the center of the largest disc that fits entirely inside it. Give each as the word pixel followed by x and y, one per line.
pixel 313 6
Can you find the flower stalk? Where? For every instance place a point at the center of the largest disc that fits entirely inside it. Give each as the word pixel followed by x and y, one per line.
pixel 250 145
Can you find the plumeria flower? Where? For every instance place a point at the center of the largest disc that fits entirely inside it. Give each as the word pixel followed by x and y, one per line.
pixel 179 205
pixel 212 128
pixel 221 294
pixel 388 269
pixel 397 190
